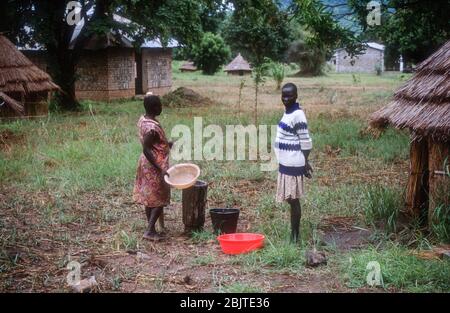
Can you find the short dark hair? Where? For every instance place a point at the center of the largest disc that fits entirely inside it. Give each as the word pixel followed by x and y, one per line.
pixel 290 85
pixel 150 101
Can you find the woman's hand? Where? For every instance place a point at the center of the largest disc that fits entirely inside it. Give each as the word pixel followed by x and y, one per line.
pixel 164 173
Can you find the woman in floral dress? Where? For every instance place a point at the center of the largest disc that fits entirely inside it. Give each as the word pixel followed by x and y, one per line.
pixel 150 189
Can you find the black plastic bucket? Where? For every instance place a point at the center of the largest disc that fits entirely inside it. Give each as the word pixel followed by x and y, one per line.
pixel 224 221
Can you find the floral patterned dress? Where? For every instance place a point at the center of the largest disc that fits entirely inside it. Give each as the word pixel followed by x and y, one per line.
pixel 150 189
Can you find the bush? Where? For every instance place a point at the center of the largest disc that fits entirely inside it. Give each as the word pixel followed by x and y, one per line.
pixel 310 59
pixel 378 69
pixel 211 53
pixel 277 71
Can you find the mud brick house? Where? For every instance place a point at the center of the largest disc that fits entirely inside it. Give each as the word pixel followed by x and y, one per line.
pixel 110 67
pixel 367 62
pixel 24 88
pixel 422 105
pixel 154 68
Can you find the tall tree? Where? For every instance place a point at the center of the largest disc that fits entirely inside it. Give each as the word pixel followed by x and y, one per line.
pixel 414 28
pixel 46 23
pixel 325 32
pixel 259 30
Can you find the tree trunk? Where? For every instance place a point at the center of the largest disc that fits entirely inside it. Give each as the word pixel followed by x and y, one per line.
pixel 56 33
pixel 65 71
pixel 439 177
pixel 193 206
pixel 256 103
pixel 417 189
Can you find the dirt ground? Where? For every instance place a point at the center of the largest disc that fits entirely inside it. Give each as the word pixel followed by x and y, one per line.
pixel 177 264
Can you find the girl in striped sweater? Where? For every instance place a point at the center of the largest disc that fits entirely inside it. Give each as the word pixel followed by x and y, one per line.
pixel 292 147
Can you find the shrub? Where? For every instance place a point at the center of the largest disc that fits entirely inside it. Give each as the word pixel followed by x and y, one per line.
pixel 277 71
pixel 310 59
pixel 210 54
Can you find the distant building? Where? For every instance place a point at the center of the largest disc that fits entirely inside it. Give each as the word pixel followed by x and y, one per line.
pixel 367 62
pixel 239 66
pixel 188 67
pixel 110 67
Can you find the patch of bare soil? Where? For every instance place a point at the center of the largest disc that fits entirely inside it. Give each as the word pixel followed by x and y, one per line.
pixel 340 233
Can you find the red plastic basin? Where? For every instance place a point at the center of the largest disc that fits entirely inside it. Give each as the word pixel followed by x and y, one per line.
pixel 240 242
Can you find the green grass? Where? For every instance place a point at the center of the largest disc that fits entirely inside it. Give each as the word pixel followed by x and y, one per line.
pixel 330 78
pixel 347 135
pixel 203 260
pixel 240 287
pixel 441 222
pixel 399 268
pixel 71 154
pixel 202 236
pixel 126 241
pixel 383 204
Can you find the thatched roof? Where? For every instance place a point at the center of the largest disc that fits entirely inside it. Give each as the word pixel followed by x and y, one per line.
pixel 188 66
pixel 238 64
pixel 13 104
pixel 423 103
pixel 18 73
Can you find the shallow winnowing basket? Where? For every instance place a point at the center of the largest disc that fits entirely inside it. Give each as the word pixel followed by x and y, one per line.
pixel 182 176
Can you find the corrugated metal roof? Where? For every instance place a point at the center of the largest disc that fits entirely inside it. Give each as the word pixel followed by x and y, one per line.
pixel 148 43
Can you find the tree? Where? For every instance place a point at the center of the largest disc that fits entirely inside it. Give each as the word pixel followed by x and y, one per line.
pixel 259 30
pixel 413 28
pixel 311 59
pixel 324 32
pixel 45 22
pixel 278 72
pixel 211 53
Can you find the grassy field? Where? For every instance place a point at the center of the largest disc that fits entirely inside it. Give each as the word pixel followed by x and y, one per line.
pixel 66 182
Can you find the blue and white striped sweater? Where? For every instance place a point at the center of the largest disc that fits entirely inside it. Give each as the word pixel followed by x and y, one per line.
pixel 292 137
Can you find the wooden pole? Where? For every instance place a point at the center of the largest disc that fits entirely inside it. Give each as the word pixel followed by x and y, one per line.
pixel 439 177
pixel 193 206
pixel 417 188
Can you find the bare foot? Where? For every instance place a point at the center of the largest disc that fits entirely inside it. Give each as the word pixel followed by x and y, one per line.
pixel 152 236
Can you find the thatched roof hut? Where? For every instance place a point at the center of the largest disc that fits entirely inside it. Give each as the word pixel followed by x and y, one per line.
pixel 22 84
pixel 423 106
pixel 239 66
pixel 188 67
pixel 423 103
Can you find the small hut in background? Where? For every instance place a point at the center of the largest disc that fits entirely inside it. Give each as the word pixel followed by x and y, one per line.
pixel 239 66
pixel 423 106
pixel 188 67
pixel 24 88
